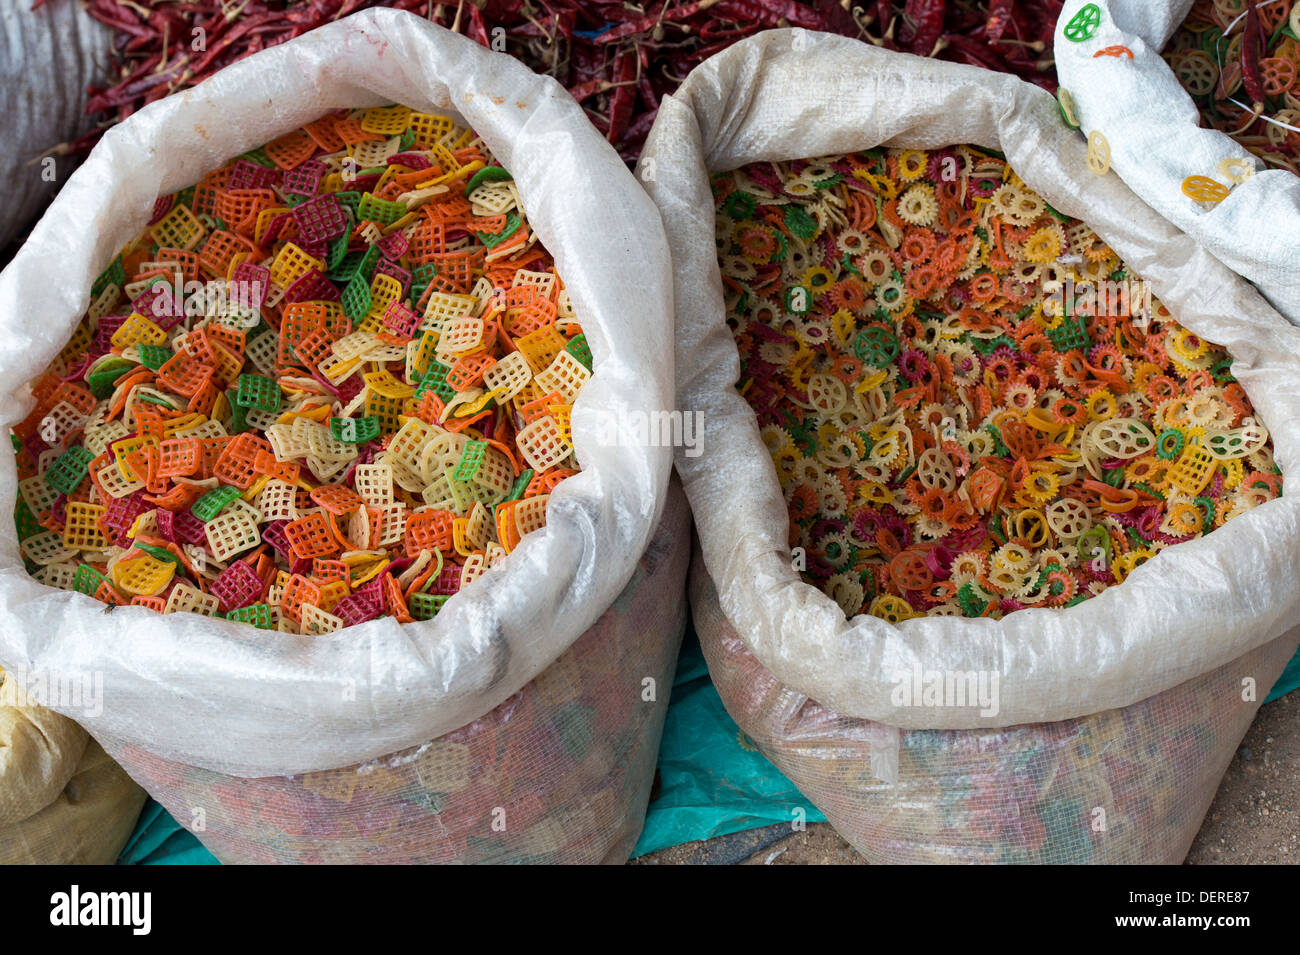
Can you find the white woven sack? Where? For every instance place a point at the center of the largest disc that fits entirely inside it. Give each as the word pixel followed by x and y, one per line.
pixel 791 94
pixel 1156 141
pixel 210 693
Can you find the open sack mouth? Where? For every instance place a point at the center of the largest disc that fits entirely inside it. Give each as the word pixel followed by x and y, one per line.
pixel 329 382
pixel 954 381
pixel 972 405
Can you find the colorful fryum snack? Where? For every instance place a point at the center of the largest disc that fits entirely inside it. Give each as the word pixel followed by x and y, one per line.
pixel 972 405
pixel 332 381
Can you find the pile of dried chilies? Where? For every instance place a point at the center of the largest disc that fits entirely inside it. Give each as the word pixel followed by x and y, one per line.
pixel 618 59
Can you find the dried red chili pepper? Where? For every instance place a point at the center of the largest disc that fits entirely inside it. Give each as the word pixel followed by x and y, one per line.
pixel 629 28
pixel 927 17
pixel 624 96
pixel 586 90
pixel 998 20
pixel 644 86
pixel 1252 80
pixel 975 53
pixel 795 14
pixel 579 42
pixel 477 29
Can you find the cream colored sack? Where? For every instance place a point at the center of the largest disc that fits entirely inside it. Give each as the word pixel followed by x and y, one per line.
pixel 62 800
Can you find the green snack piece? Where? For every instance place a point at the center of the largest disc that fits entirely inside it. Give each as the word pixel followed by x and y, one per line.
pixel 69 470
pixel 1057 215
pixel 470 459
pixel 152 357
pixel 258 391
pixel 25 520
pixel 986 346
pixel 782 247
pixel 350 200
pixel 877 346
pixel 368 262
pixel 259 157
pixel 159 553
pixel 1170 444
pixel 87 580
pixel 259 615
pixel 426 606
pixel 1065 106
pixel 238 415
pixel 385 213
pixel 799 222
pixel 973 604
pixel 486 174
pixel 493 240
pixel 356 298
pixel 1093 541
pixel 346 268
pixel 355 430
pixel 1083 25
pixel 740 205
pixel 1208 505
pixel 214 502
pixel 999 448
pixel 115 274
pixel 798 300
pixel 803 435
pixel 435 380
pixel 461 493
pixel 1070 335
pixel 337 252
pixel 421 276
pixel 520 485
pixel 101 379
pixel 578 348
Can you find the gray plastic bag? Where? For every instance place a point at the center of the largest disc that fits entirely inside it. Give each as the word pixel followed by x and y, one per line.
pixel 47 58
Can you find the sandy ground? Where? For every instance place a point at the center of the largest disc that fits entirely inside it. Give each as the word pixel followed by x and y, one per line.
pixel 1255 818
